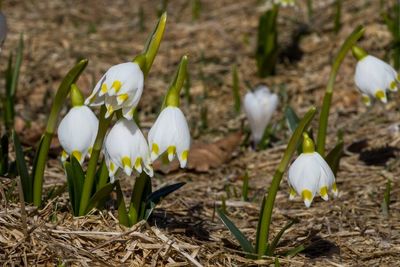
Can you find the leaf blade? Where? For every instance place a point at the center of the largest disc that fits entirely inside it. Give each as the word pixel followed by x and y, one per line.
pixel 240 237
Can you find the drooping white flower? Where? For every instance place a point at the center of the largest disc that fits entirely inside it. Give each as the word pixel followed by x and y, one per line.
pixel 170 133
pixel 120 88
pixel 77 132
pixel 3 28
pixel 259 107
pixel 125 147
pixel 310 175
pixel 373 76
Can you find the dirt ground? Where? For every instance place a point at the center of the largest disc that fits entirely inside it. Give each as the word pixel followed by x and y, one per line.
pixel 185 231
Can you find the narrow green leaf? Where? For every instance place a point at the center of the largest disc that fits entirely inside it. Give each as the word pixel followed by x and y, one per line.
pixel 99 196
pixel 293 252
pixel 277 263
pixel 235 89
pixel 70 184
pixel 245 187
pixel 123 216
pixel 386 199
pixel 26 179
pixel 338 16
pixel 292 119
pixel 153 199
pixel 9 73
pixel 153 43
pixel 79 178
pixel 161 193
pixel 4 154
pixel 275 241
pixel 43 149
pixel 243 241
pixel 18 61
pixel 334 156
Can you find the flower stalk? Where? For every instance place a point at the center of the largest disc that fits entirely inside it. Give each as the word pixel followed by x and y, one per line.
pixel 44 146
pixel 267 205
pixel 326 105
pixel 104 124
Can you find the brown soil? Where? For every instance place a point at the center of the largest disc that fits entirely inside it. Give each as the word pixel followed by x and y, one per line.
pixel 185 231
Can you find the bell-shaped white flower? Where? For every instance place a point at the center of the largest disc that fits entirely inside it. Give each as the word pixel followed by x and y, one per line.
pixel 120 88
pixel 125 147
pixel 373 76
pixel 259 107
pixel 310 175
pixel 170 133
pixel 77 132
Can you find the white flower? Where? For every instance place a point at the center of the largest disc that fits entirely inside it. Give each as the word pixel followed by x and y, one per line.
pixel 170 133
pixel 259 107
pixel 126 148
pixel 77 132
pixel 3 28
pixel 374 77
pixel 310 175
pixel 120 88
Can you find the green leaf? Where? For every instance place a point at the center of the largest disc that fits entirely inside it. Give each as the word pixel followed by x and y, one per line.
pixel 245 187
pixel 386 199
pixel 70 184
pixel 292 119
pixel 156 197
pixel 334 156
pixel 99 196
pixel 294 251
pixel 161 193
pixel 123 216
pixel 145 60
pixel 274 243
pixel 235 89
pixel 79 178
pixel 18 61
pixel 277 263
pixel 43 149
pixel 243 241
pixel 4 154
pixel 26 179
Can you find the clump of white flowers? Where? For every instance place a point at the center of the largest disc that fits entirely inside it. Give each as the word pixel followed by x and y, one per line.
pixel 259 107
pixel 373 76
pixel 125 146
pixel 310 175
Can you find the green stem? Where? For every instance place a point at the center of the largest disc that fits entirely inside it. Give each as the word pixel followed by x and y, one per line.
pixel 267 206
pixel 136 200
pixel 123 217
pixel 103 176
pixel 323 121
pixel 94 158
pixel 43 149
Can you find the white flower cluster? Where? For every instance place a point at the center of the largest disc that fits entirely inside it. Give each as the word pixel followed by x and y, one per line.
pixel 125 146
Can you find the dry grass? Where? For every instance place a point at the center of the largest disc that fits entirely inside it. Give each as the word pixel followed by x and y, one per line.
pixel 348 231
